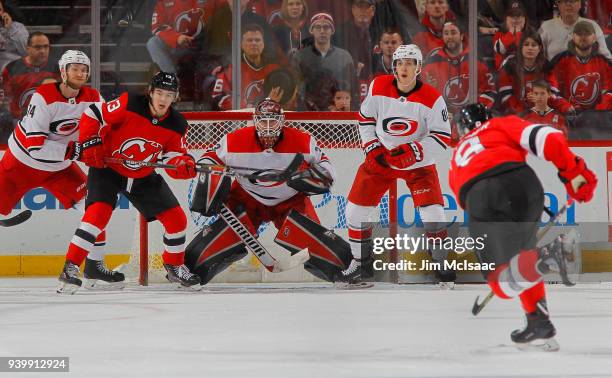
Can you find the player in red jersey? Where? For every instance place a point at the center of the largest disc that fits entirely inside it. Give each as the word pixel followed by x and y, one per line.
pixel 266 146
pixel 136 128
pixel 505 201
pixel 403 124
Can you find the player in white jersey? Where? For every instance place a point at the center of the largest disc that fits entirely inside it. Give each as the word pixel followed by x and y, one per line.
pixel 403 123
pixel 40 153
pixel 267 147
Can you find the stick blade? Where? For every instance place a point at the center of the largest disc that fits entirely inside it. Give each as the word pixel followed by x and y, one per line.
pixel 17 219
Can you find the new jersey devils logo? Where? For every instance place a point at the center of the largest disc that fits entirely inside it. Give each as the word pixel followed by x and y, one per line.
pixel 189 22
pixel 64 126
pixel 456 90
pixel 138 149
pixel 400 126
pixel 585 88
pixel 253 91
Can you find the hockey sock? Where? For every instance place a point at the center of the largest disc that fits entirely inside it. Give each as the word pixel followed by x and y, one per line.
pixel 98 252
pixel 520 274
pixel 94 221
pixel 175 225
pixel 359 239
pixel 531 297
pixel 359 229
pixel 438 253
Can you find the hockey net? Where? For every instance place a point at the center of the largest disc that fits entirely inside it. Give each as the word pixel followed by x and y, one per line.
pixel 337 134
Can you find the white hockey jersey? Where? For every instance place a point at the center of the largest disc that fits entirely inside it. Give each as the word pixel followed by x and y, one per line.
pixel 49 124
pixel 396 118
pixel 241 149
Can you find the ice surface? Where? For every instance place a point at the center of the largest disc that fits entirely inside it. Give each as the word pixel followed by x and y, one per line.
pixel 299 330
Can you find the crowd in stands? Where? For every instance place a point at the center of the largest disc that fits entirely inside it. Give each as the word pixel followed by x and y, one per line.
pixel 548 60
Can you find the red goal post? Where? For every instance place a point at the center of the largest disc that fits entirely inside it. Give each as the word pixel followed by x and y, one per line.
pixel 337 133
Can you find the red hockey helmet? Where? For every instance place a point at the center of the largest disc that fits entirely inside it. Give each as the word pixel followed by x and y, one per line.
pixel 269 122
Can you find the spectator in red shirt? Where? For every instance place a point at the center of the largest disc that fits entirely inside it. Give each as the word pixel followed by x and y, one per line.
pixel 429 39
pixel 505 41
pixel 390 39
pixel 291 27
pixel 541 112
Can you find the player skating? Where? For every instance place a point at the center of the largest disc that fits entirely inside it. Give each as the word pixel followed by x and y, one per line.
pixel 403 122
pixel 505 201
pixel 268 147
pixel 139 128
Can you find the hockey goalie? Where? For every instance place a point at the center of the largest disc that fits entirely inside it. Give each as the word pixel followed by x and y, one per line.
pixel 266 147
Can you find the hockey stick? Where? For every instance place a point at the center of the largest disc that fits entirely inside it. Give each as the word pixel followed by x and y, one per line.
pixel 17 219
pixel 262 254
pixel 478 307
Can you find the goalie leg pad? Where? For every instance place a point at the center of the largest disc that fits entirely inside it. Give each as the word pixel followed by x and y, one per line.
pixel 215 248
pixel 329 253
pixel 211 191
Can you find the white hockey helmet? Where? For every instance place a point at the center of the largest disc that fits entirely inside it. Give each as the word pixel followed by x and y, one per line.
pixel 76 57
pixel 411 51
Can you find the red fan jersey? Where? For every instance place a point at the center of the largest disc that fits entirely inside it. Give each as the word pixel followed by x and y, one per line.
pixel 130 132
pixel 548 117
pixel 20 79
pixel 252 84
pixel 430 38
pixel 585 82
pixel 500 145
pixel 504 45
pixel 172 18
pixel 450 76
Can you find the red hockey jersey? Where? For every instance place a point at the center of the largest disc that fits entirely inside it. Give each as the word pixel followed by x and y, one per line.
pixel 451 78
pixel 130 132
pixel 171 18
pixel 586 83
pixel 20 79
pixel 549 117
pixel 429 39
pixel 501 144
pixel 504 45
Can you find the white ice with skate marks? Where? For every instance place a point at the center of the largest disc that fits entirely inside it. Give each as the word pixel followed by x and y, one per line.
pixel 300 330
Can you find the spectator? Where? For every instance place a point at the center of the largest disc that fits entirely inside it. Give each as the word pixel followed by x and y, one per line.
pixel 556 33
pixel 381 62
pixel 21 77
pixel 448 71
pixel 506 40
pixel 13 38
pixel 175 26
pixel 429 39
pixel 582 72
pixel 341 100
pixel 519 72
pixel 323 61
pixel 254 68
pixel 541 113
pixel 291 26
pixel 356 36
pixel 280 86
pixel 270 10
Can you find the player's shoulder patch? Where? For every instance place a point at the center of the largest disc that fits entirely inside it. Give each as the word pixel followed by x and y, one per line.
pixel 294 140
pixel 426 95
pixel 50 93
pixel 243 140
pixel 383 86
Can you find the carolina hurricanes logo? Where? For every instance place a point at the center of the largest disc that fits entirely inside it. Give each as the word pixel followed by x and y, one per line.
pixel 585 88
pixel 456 90
pixel 24 99
pixel 265 184
pixel 64 126
pixel 253 91
pixel 138 149
pixel 400 126
pixel 189 22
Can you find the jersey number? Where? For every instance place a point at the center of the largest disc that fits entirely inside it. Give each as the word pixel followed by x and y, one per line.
pixel 467 150
pixel 30 111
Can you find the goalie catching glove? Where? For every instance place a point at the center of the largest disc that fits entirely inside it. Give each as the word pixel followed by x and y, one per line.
pixel 90 152
pixel 311 181
pixel 580 182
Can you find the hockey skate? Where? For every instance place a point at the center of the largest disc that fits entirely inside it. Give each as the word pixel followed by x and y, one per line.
pixel 355 276
pixel 445 279
pixel 538 333
pixel 555 256
pixel 181 275
pixel 69 279
pixel 98 277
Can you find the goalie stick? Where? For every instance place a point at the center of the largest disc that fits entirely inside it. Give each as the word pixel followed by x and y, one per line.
pixel 17 219
pixel 478 307
pixel 262 254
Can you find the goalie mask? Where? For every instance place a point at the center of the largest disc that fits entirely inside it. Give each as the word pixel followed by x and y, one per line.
pixel 407 52
pixel 269 122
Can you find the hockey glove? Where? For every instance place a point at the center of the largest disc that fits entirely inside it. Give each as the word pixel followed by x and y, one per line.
pixel 375 162
pixel 405 155
pixel 90 152
pixel 311 181
pixel 185 167
pixel 580 182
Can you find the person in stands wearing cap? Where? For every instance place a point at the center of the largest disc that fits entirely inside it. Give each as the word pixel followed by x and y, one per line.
pixel 323 57
pixel 506 40
pixel 582 72
pixel 556 33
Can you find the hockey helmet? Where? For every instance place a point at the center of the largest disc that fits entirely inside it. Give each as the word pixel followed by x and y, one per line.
pixel 472 116
pixel 269 121
pixel 411 51
pixel 73 57
pixel 166 81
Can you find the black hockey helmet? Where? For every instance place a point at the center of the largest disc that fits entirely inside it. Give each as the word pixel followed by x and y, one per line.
pixel 165 80
pixel 472 116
